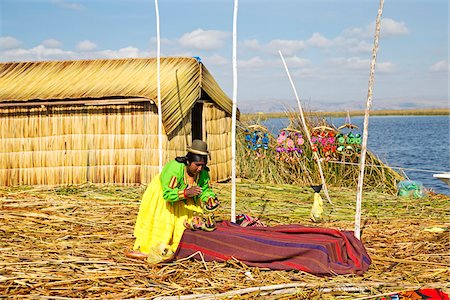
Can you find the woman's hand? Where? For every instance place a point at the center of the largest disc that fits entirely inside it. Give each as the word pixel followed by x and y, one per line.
pixel 192 191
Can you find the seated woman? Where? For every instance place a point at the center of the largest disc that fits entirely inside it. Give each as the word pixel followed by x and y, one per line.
pixel 174 201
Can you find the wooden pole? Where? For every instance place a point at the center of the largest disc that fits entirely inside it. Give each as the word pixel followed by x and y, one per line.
pixel 305 128
pixel 233 119
pixel 366 124
pixel 158 59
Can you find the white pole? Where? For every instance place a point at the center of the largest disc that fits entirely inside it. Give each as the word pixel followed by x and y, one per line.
pixel 366 125
pixel 305 128
pixel 158 59
pixel 233 117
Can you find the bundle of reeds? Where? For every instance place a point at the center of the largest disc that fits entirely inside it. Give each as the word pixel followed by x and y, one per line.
pixel 69 242
pixel 72 122
pixel 303 170
pixel 218 138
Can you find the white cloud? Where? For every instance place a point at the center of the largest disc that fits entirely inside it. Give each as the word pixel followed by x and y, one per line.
pixel 389 27
pixel 254 62
pixel 353 63
pixel 352 45
pixel 52 43
pixel 217 60
pixel 86 45
pixel 8 42
pixel 204 39
pixel 356 63
pixel 163 41
pixel 384 67
pixel 127 52
pixel 287 47
pixel 307 73
pixel 359 47
pixel 356 32
pixel 37 53
pixel 297 62
pixel 318 40
pixel 252 45
pixel 440 66
pixel 68 5
pixel 41 52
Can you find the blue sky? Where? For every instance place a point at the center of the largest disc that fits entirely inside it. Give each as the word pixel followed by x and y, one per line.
pixel 327 45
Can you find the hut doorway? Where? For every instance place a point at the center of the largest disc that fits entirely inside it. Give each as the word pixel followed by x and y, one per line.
pixel 197 121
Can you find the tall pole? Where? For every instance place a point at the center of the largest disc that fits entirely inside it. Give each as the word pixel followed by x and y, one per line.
pixel 158 63
pixel 233 117
pixel 305 128
pixel 362 160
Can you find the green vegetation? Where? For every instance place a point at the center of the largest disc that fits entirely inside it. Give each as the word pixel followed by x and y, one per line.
pixel 338 114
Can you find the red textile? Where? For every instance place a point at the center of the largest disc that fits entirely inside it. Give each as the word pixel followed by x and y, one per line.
pixel 319 251
pixel 423 294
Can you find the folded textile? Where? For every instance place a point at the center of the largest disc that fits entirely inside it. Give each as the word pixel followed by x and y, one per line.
pixel 319 251
pixel 420 294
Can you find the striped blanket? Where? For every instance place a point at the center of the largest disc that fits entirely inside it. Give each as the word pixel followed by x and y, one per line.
pixel 319 251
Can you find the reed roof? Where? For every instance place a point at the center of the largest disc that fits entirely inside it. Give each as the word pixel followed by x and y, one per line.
pixel 183 80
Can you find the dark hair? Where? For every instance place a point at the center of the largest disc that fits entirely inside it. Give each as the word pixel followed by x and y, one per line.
pixel 192 157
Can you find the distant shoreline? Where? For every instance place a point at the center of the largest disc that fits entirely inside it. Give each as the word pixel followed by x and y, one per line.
pixel 337 114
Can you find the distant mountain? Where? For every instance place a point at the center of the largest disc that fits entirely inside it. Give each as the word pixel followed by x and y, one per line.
pixel 310 105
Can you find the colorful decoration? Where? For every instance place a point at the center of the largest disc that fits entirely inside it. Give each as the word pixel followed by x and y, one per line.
pixel 323 139
pixel 289 145
pixel 419 294
pixel 348 144
pixel 328 142
pixel 257 139
pixel 333 144
pixel 245 220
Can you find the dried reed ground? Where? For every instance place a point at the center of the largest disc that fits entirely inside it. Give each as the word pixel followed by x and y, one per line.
pixel 68 242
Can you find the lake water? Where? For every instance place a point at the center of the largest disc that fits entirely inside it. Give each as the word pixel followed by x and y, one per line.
pixel 420 145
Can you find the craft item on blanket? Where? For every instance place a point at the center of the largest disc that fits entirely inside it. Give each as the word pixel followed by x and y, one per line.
pixel 420 294
pixel 245 220
pixel 201 223
pixel 323 139
pixel 317 207
pixel 289 144
pixel 211 205
pixel 319 251
pixel 257 139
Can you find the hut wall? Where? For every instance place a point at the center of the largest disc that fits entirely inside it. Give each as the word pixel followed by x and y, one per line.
pixel 218 136
pixel 50 145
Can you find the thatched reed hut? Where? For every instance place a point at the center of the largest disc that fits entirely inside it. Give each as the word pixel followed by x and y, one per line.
pixel 72 122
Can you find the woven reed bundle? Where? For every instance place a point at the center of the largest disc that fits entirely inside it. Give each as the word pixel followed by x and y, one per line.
pixel 304 170
pixel 114 144
pixel 69 242
pixel 217 126
pixel 181 78
pixel 53 142
pixel 66 145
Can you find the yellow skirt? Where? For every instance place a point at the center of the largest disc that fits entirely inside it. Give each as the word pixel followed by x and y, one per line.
pixel 160 224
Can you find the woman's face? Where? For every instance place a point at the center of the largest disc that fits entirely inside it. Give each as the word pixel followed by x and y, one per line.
pixel 196 167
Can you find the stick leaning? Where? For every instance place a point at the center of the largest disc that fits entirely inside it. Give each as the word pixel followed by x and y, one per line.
pixel 366 125
pixel 325 190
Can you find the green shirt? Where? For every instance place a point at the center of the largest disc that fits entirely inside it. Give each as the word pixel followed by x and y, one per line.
pixel 174 179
